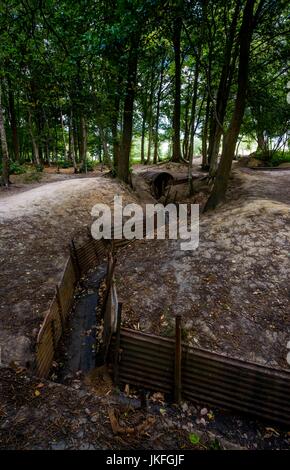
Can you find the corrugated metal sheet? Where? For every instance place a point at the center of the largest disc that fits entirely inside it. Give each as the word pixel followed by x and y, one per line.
pixel 147 361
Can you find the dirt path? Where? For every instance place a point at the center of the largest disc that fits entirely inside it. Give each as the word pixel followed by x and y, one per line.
pixel 233 292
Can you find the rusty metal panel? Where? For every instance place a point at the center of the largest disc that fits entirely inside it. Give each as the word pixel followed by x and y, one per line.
pixel 90 254
pixel 56 319
pixel 147 361
pixel 44 352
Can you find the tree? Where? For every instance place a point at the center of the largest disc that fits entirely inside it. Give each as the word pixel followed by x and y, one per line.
pixel 5 154
pixel 176 154
pixel 231 135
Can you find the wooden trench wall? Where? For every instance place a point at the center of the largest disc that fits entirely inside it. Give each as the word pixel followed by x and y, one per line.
pixel 163 364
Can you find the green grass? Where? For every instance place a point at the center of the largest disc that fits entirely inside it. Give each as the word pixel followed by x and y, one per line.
pixel 274 158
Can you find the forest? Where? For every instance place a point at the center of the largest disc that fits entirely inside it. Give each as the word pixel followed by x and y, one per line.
pixel 126 81
pixel 129 343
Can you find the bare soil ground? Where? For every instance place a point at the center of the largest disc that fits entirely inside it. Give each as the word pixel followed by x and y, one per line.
pixel 38 415
pixel 36 227
pixel 233 292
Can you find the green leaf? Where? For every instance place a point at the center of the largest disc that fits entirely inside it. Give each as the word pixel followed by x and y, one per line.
pixel 194 439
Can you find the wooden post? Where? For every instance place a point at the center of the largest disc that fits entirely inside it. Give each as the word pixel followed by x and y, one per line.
pixel 177 368
pixel 117 345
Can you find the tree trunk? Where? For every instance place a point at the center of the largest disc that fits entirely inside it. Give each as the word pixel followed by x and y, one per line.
pixel 123 163
pixel 176 154
pixel 193 113
pixel 143 137
pixel 115 122
pixel 13 122
pixel 33 140
pixel 156 135
pixel 63 136
pixel 150 120
pixel 83 144
pixel 75 137
pixel 204 164
pixel 47 138
pixel 231 136
pixel 107 160
pixel 223 93
pixel 192 129
pixel 72 155
pixel 185 144
pixel 4 147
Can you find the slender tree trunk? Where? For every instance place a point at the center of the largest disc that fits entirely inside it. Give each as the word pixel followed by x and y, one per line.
pixel 56 143
pixel 150 120
pixel 148 160
pixel 107 160
pixel 176 155
pixel 143 137
pixel 83 144
pixel 204 164
pixel 4 146
pixel 115 136
pixel 47 138
pixel 185 144
pixel 123 164
pixel 159 93
pixel 192 128
pixel 40 126
pixel 223 93
pixel 193 112
pixel 33 140
pixel 47 158
pixel 231 136
pixel 75 137
pixel 72 155
pixel 13 122
pixel 63 136
pixel 263 143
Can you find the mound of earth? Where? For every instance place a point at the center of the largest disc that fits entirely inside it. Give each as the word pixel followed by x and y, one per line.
pixel 233 291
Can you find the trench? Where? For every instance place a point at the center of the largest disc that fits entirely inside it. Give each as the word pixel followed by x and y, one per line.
pixel 78 350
